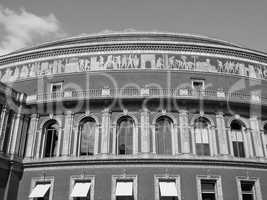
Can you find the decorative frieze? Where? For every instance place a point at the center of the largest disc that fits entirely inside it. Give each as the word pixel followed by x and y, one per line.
pixel 136 61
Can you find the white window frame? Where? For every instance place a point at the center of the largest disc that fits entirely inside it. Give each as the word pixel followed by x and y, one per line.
pixel 218 185
pixel 85 178
pixel 166 177
pixel 198 80
pixel 43 179
pixel 124 177
pixel 257 188
pixel 56 83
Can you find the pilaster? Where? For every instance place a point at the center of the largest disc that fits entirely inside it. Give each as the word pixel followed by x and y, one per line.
pixel 105 131
pixel 256 135
pixel 16 134
pixel 32 136
pixel 184 131
pixel 145 143
pixel 3 124
pixel 68 123
pixel 222 136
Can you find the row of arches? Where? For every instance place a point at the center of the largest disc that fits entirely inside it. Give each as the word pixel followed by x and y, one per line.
pixel 125 131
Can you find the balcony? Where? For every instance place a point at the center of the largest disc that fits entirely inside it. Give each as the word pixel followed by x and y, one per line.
pixel 141 93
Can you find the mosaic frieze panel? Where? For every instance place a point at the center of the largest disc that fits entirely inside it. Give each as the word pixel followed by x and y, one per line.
pixel 131 62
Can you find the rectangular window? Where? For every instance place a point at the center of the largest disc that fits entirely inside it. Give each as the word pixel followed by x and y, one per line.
pixel 198 84
pixel 41 188
pixel 124 187
pixel 56 87
pixel 249 189
pixel 82 187
pixel 209 187
pixel 167 187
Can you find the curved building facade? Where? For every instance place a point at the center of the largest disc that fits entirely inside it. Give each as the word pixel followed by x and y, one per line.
pixel 134 116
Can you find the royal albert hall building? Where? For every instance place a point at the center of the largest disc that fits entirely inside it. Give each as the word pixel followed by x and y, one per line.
pixel 133 116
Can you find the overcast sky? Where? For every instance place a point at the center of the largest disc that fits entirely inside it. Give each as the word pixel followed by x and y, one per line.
pixel 28 22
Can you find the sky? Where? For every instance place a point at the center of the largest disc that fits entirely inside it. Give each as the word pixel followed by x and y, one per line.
pixel 24 23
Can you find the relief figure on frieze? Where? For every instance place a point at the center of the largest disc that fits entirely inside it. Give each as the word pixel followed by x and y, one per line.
pixel 159 63
pixel 72 65
pixel 33 70
pixel 7 75
pixel 15 74
pixel 116 62
pixel 24 71
pixel 109 62
pixel 136 61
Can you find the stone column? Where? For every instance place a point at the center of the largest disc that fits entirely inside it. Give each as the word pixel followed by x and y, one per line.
pixel 174 139
pixel 76 140
pixel 145 143
pixel 31 140
pixel 153 138
pixel 60 141
pixel 135 138
pixel 256 135
pixel 213 141
pixel 39 144
pixel 222 137
pixel 105 131
pixel 193 140
pixel 23 136
pixel 247 142
pixel 96 139
pixel 3 123
pixel 68 124
pixel 229 137
pixel 16 134
pixel 184 131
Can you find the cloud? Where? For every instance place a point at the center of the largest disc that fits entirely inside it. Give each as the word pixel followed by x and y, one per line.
pixel 21 29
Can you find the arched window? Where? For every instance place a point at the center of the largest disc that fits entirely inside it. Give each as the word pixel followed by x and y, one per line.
pixel 87 128
pixel 237 138
pixel 201 128
pixel 265 136
pixel 50 131
pixel 163 131
pixel 125 131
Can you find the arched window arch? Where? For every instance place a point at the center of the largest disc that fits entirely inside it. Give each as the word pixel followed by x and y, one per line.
pixel 163 133
pixel 237 136
pixel 50 138
pixel 201 129
pixel 125 132
pixel 87 129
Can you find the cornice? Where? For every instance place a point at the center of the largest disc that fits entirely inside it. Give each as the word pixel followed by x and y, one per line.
pixel 227 163
pixel 133 45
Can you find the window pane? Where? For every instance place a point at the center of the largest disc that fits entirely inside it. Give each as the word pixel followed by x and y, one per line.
pixel 247 197
pixel 125 198
pixel 51 140
pixel 203 149
pixel 239 150
pixel 247 186
pixel 208 186
pixel 208 197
